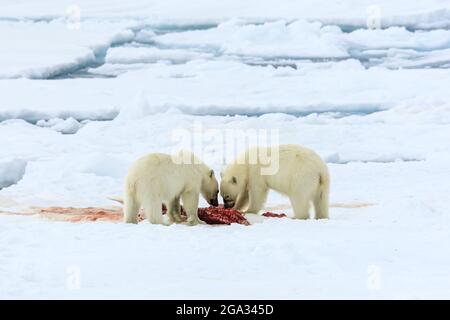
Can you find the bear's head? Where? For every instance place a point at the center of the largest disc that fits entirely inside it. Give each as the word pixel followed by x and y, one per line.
pixel 210 188
pixel 232 185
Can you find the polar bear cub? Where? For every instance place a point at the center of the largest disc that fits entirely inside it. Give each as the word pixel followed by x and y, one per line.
pixel 301 175
pixel 161 178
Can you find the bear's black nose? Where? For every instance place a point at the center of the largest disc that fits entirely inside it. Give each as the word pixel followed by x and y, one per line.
pixel 214 202
pixel 228 204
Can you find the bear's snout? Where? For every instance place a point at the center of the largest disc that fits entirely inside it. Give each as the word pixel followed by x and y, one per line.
pixel 214 202
pixel 228 204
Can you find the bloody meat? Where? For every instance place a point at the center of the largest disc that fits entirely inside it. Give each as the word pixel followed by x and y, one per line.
pixel 217 215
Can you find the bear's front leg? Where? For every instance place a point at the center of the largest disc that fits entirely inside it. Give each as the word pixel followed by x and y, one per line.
pixel 242 201
pixel 257 197
pixel 190 203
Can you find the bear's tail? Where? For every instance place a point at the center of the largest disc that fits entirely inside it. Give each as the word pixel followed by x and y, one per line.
pixel 116 198
pixel 322 196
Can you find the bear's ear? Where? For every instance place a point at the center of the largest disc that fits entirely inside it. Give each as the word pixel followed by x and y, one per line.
pixel 211 173
pixel 233 180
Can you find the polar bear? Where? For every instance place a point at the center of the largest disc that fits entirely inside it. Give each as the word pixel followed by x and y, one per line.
pixel 160 178
pixel 301 175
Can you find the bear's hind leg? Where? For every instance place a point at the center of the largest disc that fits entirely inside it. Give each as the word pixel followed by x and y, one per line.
pixel 152 209
pixel 174 210
pixel 321 204
pixel 131 209
pixel 190 203
pixel 321 198
pixel 300 205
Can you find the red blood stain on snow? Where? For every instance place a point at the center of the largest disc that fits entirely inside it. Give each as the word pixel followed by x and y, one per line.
pixel 210 215
pixel 274 215
pixel 80 214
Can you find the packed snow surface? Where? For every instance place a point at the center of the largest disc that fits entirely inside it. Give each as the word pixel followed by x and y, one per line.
pixel 86 89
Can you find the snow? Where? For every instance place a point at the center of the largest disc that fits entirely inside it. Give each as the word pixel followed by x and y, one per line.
pixel 413 59
pixel 313 87
pixel 302 39
pixel 418 14
pixel 11 171
pixel 47 49
pixel 126 55
pixel 66 126
pixel 80 102
pixel 275 39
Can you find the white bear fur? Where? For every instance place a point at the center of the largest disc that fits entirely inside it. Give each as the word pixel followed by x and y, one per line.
pixel 302 176
pixel 160 178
